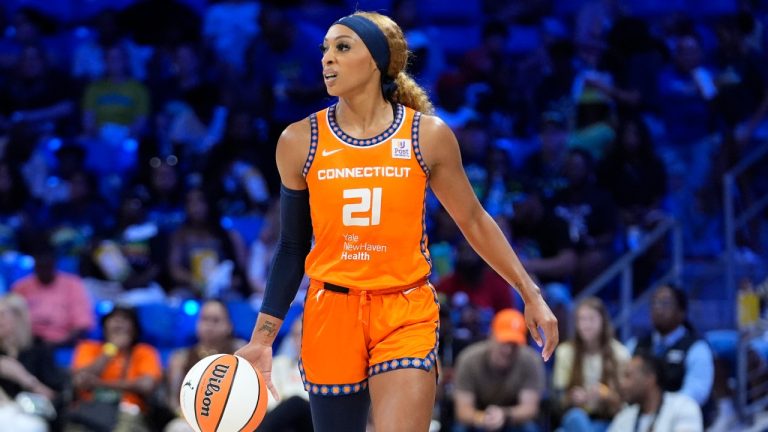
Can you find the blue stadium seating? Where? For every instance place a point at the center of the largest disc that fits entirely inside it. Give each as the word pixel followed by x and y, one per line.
pixel 243 318
pixel 158 324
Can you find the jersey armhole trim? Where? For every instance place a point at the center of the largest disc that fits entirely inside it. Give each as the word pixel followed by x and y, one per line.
pixel 312 144
pixel 415 142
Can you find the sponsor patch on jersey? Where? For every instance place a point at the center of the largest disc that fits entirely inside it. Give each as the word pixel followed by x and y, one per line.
pixel 401 148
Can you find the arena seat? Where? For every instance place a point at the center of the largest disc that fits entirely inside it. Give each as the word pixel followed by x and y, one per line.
pixel 158 324
pixel 243 317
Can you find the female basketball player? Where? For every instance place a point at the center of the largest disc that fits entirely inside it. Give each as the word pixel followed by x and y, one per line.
pixel 355 176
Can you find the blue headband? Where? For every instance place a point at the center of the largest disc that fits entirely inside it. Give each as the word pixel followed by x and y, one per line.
pixel 377 44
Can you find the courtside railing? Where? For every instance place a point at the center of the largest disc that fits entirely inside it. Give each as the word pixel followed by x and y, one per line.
pixel 623 268
pixel 733 222
pixel 752 372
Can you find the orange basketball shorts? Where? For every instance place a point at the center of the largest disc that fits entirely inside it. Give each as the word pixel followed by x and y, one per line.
pixel 349 337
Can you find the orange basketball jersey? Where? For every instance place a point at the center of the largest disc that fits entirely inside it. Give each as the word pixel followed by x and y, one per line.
pixel 368 204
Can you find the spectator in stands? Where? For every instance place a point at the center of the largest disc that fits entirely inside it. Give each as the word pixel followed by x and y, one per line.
pixel 634 174
pixel 591 217
pixel 119 368
pixel 76 220
pixel 247 141
pixel 544 168
pixel 501 185
pixel 117 101
pixel 499 382
pixel 88 54
pixel 553 91
pixel 292 412
pixel 59 306
pixel 637 179
pixel 14 203
pixel 688 365
pixel 545 248
pixel 489 62
pixel 650 407
pixel 452 104
pixel 475 144
pixel 594 88
pixel 26 362
pixel 228 28
pixel 115 113
pixel 472 277
pixel 593 130
pixel 542 239
pixel 595 73
pixel 443 235
pixel 205 260
pixel 741 75
pixel 261 251
pixel 49 180
pixel 475 293
pixel 165 199
pixel 237 183
pixel 587 371
pixel 36 97
pixel 124 265
pixel 192 106
pixel 215 335
pixel 84 211
pixel 685 94
pixel 283 59
pixel 27 26
pixel 26 365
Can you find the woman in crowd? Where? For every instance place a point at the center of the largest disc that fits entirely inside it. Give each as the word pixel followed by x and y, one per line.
pixel 215 335
pixel 201 248
pixel 587 368
pixel 26 365
pixel 118 374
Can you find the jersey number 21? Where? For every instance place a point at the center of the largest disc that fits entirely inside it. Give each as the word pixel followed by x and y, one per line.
pixel 366 211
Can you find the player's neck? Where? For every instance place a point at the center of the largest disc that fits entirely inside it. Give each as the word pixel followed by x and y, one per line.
pixel 363 113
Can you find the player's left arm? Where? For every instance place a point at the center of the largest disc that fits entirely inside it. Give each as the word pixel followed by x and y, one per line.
pixel 451 186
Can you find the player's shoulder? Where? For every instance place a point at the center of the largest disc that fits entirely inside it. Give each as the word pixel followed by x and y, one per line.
pixel 296 133
pixel 292 150
pixel 432 123
pixel 434 137
pixel 434 129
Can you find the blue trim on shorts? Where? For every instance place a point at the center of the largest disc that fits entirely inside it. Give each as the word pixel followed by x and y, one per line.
pixel 425 363
pixel 331 389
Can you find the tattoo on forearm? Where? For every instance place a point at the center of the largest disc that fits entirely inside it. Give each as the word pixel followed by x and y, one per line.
pixel 269 328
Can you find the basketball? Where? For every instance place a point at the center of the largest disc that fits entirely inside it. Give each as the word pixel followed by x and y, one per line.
pixel 223 393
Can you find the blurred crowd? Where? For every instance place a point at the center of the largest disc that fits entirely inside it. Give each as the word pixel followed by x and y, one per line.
pixel 137 169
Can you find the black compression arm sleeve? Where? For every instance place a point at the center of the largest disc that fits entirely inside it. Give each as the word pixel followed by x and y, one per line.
pixel 292 249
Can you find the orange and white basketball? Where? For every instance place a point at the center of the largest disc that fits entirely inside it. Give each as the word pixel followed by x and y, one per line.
pixel 223 393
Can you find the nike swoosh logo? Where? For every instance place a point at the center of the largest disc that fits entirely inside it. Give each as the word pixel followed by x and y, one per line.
pixel 330 152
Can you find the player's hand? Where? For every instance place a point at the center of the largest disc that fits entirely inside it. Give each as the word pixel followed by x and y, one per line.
pixel 260 356
pixel 538 315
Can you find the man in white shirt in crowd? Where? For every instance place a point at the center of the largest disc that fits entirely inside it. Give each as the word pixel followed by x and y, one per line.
pixel 649 408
